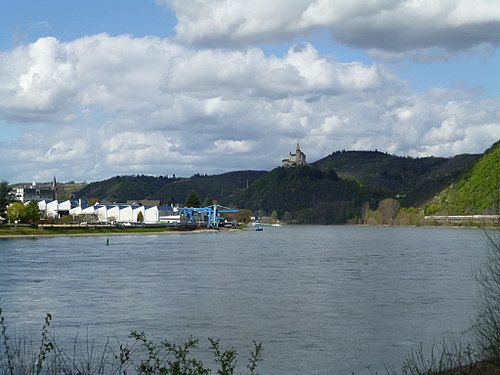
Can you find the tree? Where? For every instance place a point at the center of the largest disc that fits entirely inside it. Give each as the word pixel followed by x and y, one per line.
pixel 140 217
pixel 192 200
pixel 6 197
pixel 365 212
pixel 208 201
pixel 32 212
pixel 16 212
pixel 242 216
pixel 388 209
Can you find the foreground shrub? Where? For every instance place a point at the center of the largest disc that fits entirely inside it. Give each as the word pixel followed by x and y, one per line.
pixel 487 327
pixel 169 358
pixel 18 356
pixel 483 357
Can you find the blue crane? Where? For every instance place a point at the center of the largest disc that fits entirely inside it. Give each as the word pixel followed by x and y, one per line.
pixel 213 211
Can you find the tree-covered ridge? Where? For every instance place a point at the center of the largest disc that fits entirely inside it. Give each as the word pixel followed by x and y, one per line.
pixel 300 189
pixel 476 192
pixel 170 189
pixel 416 179
pixel 333 189
pixel 123 188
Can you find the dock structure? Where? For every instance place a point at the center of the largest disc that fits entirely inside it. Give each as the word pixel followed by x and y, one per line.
pixel 209 215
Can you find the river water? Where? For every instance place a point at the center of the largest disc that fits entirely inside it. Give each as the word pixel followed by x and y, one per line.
pixel 321 299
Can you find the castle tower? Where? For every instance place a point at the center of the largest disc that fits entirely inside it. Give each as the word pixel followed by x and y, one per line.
pixel 299 158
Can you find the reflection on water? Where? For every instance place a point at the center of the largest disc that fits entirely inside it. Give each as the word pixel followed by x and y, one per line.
pixel 322 300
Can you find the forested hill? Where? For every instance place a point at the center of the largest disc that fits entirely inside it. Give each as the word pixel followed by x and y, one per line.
pixel 169 189
pixel 332 189
pixel 312 195
pixel 416 179
pixel 476 192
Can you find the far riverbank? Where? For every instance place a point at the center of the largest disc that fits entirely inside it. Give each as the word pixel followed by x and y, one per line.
pixel 23 230
pixel 7 231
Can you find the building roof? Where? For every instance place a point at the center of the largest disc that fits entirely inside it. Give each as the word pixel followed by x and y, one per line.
pixel 144 202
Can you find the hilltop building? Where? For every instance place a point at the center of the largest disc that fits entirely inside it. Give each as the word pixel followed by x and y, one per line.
pixel 299 158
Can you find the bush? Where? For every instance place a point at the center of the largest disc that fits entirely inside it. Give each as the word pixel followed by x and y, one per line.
pixel 487 327
pixel 17 356
pixel 483 355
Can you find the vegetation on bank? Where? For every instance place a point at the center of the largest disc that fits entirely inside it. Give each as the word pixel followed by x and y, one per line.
pixel 145 356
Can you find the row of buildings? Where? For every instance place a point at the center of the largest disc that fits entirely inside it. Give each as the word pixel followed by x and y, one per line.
pixel 110 213
pixel 123 213
pixel 144 212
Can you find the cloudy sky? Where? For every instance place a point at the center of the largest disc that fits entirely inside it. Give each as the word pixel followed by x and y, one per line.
pixel 93 89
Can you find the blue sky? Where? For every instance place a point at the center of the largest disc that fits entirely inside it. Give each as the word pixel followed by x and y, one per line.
pixel 89 90
pixel 24 21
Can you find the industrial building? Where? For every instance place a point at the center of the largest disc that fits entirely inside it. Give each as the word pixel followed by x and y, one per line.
pixel 124 213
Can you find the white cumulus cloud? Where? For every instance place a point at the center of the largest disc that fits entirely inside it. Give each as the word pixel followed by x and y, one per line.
pixel 99 106
pixel 383 26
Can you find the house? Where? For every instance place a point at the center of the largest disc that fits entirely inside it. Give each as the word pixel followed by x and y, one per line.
pixel 36 193
pixel 299 158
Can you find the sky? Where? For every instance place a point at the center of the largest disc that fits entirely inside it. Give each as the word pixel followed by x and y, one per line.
pixel 93 89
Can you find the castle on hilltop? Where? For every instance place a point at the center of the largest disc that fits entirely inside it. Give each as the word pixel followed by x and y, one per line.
pixel 293 160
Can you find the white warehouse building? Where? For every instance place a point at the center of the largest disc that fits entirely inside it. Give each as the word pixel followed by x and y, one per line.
pixel 117 212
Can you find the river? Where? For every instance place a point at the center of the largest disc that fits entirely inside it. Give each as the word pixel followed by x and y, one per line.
pixel 321 299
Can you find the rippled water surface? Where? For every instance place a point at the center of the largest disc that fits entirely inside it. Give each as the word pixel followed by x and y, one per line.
pixel 321 299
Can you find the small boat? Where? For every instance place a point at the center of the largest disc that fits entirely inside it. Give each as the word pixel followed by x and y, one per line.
pixel 258 227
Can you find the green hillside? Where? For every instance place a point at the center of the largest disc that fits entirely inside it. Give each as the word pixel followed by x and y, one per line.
pixel 476 192
pixel 416 179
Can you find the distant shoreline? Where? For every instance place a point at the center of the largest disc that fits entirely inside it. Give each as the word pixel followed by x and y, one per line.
pixel 75 231
pixel 31 232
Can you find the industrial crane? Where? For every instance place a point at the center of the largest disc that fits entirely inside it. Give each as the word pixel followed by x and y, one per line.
pixel 213 211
